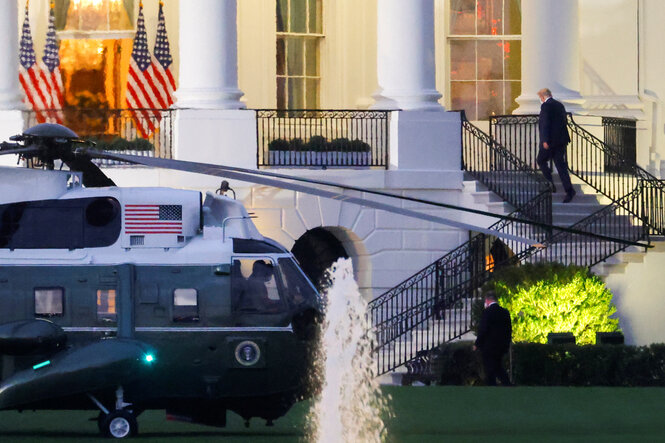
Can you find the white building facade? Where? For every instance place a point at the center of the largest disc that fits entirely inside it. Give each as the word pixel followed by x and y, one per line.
pixel 421 60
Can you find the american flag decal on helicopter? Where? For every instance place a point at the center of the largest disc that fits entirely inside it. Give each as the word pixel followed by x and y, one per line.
pixel 153 219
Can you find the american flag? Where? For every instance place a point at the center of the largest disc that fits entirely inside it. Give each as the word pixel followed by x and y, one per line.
pixel 30 74
pixel 50 72
pixel 144 97
pixel 153 219
pixel 164 60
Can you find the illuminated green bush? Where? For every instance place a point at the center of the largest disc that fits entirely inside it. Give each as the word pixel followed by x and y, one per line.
pixel 551 297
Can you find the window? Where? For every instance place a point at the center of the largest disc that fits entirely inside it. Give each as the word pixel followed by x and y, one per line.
pixel 485 56
pixel 60 224
pixel 94 15
pixel 297 289
pixel 299 33
pixel 49 302
pixel 106 307
pixel 255 287
pixel 95 39
pixel 185 304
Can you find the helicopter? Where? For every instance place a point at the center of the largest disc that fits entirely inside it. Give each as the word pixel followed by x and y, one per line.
pixel 120 300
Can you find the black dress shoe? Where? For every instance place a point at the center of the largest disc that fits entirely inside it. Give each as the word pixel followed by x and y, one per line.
pixel 569 196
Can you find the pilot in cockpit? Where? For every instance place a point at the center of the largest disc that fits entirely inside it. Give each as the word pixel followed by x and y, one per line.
pixel 255 296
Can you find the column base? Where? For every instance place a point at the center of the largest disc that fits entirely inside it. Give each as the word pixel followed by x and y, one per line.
pixel 422 140
pixel 209 99
pixel 426 100
pixel 225 137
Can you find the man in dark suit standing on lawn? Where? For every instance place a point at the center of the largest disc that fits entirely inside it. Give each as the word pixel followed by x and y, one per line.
pixel 494 337
pixel 554 137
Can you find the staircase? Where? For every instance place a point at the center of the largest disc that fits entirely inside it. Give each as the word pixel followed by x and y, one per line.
pixel 434 306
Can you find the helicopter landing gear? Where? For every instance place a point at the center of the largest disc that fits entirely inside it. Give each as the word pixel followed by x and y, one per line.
pixel 119 423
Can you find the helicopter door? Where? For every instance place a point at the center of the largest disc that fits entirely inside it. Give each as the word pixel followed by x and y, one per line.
pixel 255 296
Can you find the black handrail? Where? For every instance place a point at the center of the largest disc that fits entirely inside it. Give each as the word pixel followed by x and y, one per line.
pixel 587 159
pixel 434 305
pixel 505 174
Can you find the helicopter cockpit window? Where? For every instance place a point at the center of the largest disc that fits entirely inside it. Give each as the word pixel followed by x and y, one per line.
pixel 185 304
pixel 106 307
pixel 49 302
pixel 297 289
pixel 255 287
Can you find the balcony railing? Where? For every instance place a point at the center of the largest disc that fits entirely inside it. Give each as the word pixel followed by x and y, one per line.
pixel 322 138
pixel 115 129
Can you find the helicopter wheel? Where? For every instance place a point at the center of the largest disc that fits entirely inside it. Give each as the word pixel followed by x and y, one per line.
pixel 118 424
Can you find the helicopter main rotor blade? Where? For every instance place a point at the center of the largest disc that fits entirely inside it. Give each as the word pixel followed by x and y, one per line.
pixel 261 179
pixel 250 175
pixel 19 151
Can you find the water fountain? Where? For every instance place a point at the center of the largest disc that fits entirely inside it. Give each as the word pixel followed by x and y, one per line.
pixel 350 407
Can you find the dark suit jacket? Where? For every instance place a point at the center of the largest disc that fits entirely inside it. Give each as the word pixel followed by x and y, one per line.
pixel 495 330
pixel 552 123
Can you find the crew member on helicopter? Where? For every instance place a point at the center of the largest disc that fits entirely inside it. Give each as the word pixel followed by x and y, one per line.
pixel 256 292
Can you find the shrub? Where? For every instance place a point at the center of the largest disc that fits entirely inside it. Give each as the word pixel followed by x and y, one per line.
pixel 122 144
pixel 296 144
pixel 550 297
pixel 317 143
pixel 456 364
pixel 278 145
pixel 360 146
pixel 600 365
pixel 340 144
pixel 557 365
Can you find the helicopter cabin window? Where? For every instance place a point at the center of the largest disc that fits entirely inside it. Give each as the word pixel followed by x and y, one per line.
pixel 60 224
pixel 106 307
pixel 49 302
pixel 185 305
pixel 254 287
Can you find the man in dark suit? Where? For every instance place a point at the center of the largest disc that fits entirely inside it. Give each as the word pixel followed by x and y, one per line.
pixel 494 336
pixel 553 140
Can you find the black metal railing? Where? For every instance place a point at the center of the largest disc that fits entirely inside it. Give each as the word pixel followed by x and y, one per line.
pixel 411 317
pixel 434 305
pixel 621 135
pixel 587 157
pixel 116 129
pixel 322 138
pixel 518 134
pixel 505 174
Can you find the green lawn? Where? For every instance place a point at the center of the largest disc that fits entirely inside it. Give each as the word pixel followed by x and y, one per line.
pixel 421 414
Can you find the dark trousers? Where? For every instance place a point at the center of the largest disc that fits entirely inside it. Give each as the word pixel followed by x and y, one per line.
pixel 558 154
pixel 492 362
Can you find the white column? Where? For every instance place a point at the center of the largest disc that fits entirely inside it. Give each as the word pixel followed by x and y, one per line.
pixel 405 56
pixel 208 76
pixel 10 94
pixel 550 54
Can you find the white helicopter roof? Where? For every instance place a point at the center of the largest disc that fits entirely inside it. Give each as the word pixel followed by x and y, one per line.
pixel 158 225
pixel 24 184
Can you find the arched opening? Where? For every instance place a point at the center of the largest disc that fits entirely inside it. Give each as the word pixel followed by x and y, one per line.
pixel 316 250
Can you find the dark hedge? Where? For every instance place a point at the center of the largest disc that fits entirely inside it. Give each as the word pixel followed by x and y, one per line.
pixel 558 365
